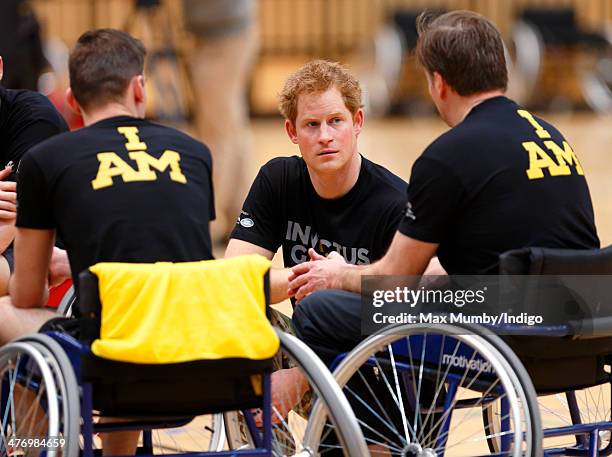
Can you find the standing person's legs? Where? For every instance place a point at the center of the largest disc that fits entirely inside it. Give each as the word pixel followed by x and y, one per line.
pixel 221 68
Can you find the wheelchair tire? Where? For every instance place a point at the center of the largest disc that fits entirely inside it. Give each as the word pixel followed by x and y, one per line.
pixel 432 427
pixel 491 414
pixel 24 369
pixel 289 442
pixel 68 390
pixel 68 300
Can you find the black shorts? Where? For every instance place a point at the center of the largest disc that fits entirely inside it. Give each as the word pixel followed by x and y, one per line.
pixel 68 325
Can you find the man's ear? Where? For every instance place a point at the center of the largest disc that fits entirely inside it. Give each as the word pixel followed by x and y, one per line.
pixel 138 88
pixel 440 85
pixel 72 102
pixel 358 120
pixel 291 131
pixel 1 68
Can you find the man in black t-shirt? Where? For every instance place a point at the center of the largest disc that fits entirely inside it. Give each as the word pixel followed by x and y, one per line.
pixel 500 179
pixel 26 119
pixel 122 189
pixel 320 201
pixel 329 200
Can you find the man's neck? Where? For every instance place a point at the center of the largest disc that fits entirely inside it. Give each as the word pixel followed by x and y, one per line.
pixel 106 112
pixel 467 104
pixel 338 183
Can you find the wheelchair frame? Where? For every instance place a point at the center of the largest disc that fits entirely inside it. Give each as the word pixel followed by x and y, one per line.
pixel 521 422
pixel 54 351
pixel 587 435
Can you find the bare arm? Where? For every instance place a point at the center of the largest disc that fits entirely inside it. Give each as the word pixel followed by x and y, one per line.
pixel 405 256
pixel 8 208
pixel 28 285
pixel 279 277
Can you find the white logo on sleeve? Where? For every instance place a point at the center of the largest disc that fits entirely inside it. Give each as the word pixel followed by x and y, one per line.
pixel 409 213
pixel 247 222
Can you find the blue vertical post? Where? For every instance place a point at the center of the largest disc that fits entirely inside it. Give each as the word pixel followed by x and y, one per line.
pixel 506 441
pixel 445 425
pixel 86 413
pixel 267 413
pixel 147 442
pixel 594 443
pixel 574 411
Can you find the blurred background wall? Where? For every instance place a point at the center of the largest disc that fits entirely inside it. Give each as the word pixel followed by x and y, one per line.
pixel 376 36
pixel 559 58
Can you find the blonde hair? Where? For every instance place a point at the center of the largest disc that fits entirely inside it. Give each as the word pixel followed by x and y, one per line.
pixel 315 77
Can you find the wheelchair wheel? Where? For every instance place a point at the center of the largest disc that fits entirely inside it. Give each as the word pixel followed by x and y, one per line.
pixel 289 431
pixel 419 390
pixel 29 404
pixel 66 304
pixel 565 409
pixel 582 406
pixel 492 411
pixel 67 388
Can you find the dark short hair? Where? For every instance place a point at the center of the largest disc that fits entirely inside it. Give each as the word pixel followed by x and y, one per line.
pixel 465 48
pixel 102 64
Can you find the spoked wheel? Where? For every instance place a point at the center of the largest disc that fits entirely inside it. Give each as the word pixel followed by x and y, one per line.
pixel 562 410
pixel 29 407
pixel 419 390
pixel 585 406
pixel 492 413
pixel 308 380
pixel 67 390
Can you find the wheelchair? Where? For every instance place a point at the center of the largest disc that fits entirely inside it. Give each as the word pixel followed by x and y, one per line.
pixel 465 390
pixel 54 386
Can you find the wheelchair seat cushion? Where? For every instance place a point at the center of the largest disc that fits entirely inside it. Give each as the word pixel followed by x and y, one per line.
pixel 171 313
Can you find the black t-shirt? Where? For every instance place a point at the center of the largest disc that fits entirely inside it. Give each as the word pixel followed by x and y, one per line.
pixel 120 190
pixel 283 208
pixel 26 119
pixel 501 179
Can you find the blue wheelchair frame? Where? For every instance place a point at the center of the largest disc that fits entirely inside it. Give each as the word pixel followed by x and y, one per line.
pixel 75 349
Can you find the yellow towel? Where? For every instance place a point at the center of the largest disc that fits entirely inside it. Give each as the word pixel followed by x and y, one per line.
pixel 178 312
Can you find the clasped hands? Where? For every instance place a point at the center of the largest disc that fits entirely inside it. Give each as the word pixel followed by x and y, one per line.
pixel 320 272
